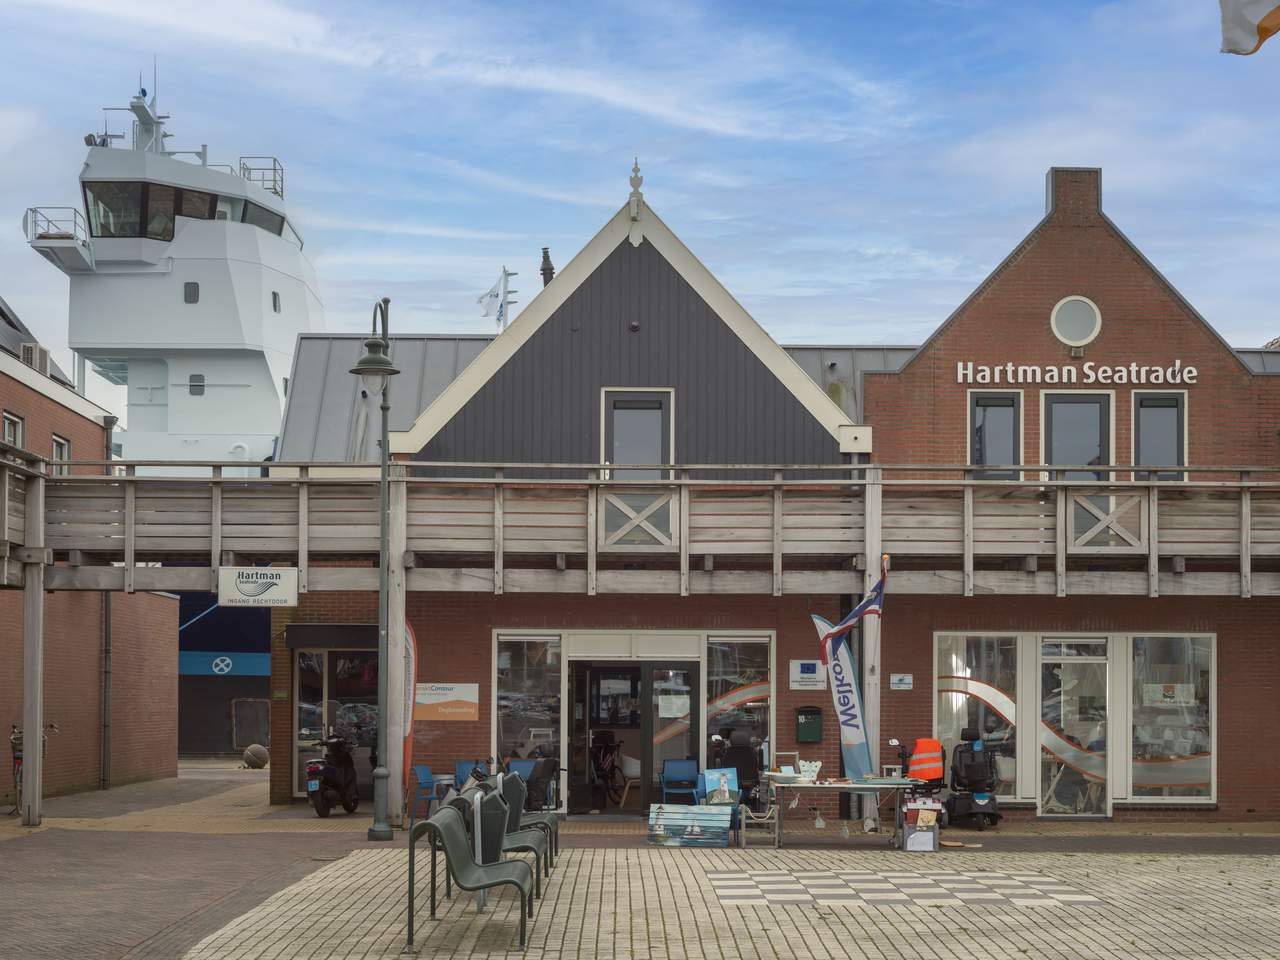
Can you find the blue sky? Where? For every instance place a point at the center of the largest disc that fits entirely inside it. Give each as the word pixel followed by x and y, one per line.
pixel 850 171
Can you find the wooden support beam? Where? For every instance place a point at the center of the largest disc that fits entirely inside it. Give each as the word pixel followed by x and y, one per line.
pixel 215 518
pixel 872 527
pixel 130 526
pixel 304 528
pixel 1153 543
pixel 968 541
pixel 777 533
pixel 684 536
pixel 497 532
pixel 593 534
pixel 1246 541
pixel 1060 541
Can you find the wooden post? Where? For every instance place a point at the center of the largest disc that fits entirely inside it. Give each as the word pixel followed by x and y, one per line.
pixel 497 531
pixel 1153 542
pixel 593 533
pixel 872 493
pixel 397 637
pixel 1246 538
pixel 304 530
pixel 777 533
pixel 33 656
pixel 4 524
pixel 215 521
pixel 684 535
pixel 130 525
pixel 968 540
pixel 1060 541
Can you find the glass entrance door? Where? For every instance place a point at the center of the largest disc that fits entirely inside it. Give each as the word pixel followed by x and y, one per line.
pixel 336 691
pixel 1073 728
pixel 671 693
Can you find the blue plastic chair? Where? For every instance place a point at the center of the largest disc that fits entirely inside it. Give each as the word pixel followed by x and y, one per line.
pixel 462 770
pixel 680 776
pixel 424 791
pixel 522 768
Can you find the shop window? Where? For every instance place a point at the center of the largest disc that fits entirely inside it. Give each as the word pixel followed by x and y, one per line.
pixel 14 429
pixel 61 451
pixel 528 690
pixel 1159 434
pixel 1172 717
pixel 977 682
pixel 738 702
pixel 995 421
pixel 191 292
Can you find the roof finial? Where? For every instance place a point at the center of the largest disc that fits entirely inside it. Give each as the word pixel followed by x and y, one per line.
pixel 636 195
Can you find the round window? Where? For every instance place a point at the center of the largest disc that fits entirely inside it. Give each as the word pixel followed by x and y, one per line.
pixel 1076 321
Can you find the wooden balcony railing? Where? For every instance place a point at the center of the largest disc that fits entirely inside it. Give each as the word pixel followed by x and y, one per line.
pixel 772 529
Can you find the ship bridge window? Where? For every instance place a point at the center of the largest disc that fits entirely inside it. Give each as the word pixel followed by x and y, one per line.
pixel 115 209
pixel 159 201
pixel 198 205
pixel 263 218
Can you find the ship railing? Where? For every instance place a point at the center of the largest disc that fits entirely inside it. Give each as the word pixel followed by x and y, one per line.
pixel 222 167
pixel 266 172
pixel 56 223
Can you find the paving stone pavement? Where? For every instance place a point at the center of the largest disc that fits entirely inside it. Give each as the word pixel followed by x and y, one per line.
pixel 662 903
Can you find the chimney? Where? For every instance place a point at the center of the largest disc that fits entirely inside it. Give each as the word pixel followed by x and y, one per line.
pixel 547 270
pixel 1074 192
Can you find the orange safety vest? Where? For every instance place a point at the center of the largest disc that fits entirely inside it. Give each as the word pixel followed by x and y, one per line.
pixel 926 760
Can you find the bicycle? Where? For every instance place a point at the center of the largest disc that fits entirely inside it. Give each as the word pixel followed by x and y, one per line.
pixel 608 773
pixel 15 747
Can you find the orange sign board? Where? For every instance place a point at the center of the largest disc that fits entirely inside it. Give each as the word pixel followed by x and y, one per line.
pixel 446 701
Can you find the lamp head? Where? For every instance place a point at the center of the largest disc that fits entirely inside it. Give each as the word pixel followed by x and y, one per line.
pixel 375 366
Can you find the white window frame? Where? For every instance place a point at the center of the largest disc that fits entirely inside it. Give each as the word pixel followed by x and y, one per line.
pixel 1053 321
pixel 671 417
pixel 634 646
pixel 60 470
pixel 1119 711
pixel 19 429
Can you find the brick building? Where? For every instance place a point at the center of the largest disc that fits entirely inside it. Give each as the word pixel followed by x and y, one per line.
pixel 1076 479
pixel 91 640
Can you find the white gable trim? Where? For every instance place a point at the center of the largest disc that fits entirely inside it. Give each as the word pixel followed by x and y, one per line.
pixel 851 437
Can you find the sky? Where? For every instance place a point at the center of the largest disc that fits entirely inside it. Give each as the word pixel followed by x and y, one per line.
pixel 849 171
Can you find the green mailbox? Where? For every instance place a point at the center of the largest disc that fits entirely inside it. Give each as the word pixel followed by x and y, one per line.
pixel 809 725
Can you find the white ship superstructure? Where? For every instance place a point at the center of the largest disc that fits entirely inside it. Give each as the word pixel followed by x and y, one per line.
pixel 189 285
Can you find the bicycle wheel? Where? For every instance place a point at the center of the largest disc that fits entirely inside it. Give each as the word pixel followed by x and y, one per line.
pixel 614 786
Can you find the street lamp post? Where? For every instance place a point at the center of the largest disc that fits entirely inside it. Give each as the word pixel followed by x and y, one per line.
pixel 375 371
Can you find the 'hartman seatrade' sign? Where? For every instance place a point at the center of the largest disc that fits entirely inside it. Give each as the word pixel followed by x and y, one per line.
pixel 257 586
pixel 1014 373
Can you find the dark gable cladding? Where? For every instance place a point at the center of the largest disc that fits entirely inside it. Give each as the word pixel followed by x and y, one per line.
pixel 544 404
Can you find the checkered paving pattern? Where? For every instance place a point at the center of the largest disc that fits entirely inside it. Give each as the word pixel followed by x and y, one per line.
pixel 875 888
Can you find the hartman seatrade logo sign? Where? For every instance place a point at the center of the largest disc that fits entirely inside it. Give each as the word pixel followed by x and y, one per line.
pixel 1175 373
pixel 257 586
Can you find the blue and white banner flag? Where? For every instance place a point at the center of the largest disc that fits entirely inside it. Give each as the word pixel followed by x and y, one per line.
pixel 837 654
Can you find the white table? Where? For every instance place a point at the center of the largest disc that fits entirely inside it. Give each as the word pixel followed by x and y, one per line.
pixel 876 786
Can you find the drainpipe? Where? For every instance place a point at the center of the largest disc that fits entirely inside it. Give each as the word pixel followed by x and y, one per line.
pixel 104 760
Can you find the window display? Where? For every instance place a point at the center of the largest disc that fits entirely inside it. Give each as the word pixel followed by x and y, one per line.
pixel 977 684
pixel 1172 717
pixel 737 701
pixel 529 697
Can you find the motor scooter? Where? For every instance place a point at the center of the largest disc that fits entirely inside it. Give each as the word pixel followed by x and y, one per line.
pixel 331 780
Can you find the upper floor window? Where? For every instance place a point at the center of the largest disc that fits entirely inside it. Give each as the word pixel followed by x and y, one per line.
pixel 191 292
pixel 198 205
pixel 14 429
pixel 195 385
pixel 139 209
pixel 995 426
pixel 1077 433
pixel 1076 321
pixel 1159 434
pixel 637 430
pixel 115 209
pixel 158 200
pixel 275 301
pixel 61 451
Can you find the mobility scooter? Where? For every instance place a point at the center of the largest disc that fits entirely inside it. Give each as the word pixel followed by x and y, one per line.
pixel 973 780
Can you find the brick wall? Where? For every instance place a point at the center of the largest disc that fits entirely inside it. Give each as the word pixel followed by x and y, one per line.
pixel 454 635
pixel 144 687
pixel 1248 665
pixel 920 414
pixel 44 417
